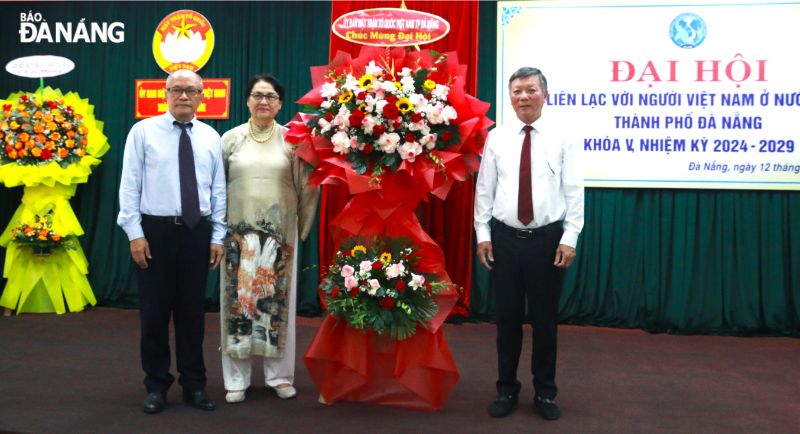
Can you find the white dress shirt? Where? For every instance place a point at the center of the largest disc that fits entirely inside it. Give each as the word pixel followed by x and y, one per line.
pixel 150 181
pixel 557 181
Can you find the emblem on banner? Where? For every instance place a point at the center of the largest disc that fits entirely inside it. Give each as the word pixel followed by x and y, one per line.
pixel 183 40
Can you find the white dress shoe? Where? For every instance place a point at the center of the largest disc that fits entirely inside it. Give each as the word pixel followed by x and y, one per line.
pixel 234 396
pixel 285 392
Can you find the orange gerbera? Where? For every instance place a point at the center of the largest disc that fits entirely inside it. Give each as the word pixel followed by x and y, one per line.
pixel 23 136
pixel 47 117
pixel 82 130
pixel 36 152
pixel 62 152
pixel 55 135
pixel 38 127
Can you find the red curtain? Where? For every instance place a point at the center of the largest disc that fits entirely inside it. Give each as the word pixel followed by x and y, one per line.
pixel 449 221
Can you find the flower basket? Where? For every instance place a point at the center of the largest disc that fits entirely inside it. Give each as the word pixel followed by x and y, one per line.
pixel 390 111
pixel 48 137
pixel 39 235
pixel 394 125
pixel 378 287
pixel 49 143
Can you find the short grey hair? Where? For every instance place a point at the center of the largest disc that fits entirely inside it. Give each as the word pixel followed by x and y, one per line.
pixel 185 72
pixel 527 71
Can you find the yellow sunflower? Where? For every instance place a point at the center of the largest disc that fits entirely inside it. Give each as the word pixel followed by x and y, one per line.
pixel 429 85
pixel 366 81
pixel 386 258
pixel 345 97
pixel 358 248
pixel 404 105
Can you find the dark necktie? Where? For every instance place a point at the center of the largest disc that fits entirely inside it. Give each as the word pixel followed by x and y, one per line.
pixel 525 198
pixel 190 202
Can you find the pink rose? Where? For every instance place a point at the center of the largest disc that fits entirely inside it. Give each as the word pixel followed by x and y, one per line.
pixel 347 271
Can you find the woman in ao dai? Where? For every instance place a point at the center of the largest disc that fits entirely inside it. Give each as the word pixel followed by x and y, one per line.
pixel 269 207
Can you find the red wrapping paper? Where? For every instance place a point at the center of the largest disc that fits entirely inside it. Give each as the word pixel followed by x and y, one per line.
pixel 348 364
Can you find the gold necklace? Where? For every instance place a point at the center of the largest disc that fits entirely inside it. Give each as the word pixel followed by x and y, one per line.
pixel 253 134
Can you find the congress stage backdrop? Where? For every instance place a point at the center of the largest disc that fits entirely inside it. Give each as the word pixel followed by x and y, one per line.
pixel 662 94
pixel 663 259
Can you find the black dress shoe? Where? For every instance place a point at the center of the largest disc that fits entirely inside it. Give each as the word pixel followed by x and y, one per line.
pixel 199 399
pixel 154 403
pixel 503 406
pixel 546 408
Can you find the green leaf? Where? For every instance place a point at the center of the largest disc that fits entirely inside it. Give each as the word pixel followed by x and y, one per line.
pixel 419 78
pixel 308 108
pixel 360 166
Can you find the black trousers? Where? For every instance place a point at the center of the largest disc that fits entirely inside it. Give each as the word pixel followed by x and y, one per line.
pixel 173 287
pixel 523 275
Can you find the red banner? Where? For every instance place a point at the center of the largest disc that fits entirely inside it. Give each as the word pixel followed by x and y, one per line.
pixel 391 27
pixel 150 97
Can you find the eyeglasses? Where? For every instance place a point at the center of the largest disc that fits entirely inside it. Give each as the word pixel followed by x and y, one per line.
pixel 271 97
pixel 178 91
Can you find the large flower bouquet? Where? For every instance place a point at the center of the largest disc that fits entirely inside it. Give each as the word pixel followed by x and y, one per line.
pixel 39 234
pixel 37 133
pixel 377 288
pixel 384 117
pixel 48 137
pixel 389 111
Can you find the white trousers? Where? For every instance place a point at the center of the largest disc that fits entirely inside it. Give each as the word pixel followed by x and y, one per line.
pixel 237 372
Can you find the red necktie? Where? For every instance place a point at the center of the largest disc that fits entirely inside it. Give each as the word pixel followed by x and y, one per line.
pixel 525 198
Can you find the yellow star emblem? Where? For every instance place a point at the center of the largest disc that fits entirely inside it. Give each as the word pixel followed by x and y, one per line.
pixel 183 30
